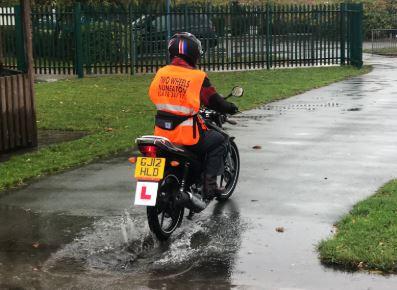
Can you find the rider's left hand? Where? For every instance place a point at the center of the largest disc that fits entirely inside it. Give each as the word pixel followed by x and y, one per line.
pixel 233 109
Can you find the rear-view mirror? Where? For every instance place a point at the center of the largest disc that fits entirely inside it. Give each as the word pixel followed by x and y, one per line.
pixel 237 92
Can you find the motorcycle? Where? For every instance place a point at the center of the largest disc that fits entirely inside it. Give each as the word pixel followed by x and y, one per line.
pixel 170 178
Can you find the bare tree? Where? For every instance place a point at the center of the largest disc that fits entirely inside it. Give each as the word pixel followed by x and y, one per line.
pixel 1 52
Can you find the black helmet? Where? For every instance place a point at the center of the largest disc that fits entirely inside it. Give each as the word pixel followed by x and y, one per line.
pixel 186 46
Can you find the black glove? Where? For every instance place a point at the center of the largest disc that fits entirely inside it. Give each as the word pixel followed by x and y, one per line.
pixel 233 109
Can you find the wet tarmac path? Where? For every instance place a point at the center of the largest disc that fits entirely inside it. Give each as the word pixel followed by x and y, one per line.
pixel 321 152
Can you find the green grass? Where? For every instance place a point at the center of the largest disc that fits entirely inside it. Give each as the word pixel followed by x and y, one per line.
pixel 392 51
pixel 115 110
pixel 367 237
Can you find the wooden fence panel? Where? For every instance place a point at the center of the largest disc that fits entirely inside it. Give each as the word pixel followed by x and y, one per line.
pixel 3 116
pixel 16 113
pixel 22 111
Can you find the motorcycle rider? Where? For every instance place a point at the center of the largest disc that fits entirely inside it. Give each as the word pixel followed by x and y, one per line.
pixel 178 90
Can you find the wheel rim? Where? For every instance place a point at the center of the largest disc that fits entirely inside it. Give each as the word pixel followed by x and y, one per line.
pixel 229 177
pixel 168 213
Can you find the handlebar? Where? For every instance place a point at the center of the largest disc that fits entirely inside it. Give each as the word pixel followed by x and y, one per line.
pixel 218 118
pixel 215 117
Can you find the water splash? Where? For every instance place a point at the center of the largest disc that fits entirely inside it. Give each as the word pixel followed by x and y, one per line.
pixel 124 244
pixel 107 245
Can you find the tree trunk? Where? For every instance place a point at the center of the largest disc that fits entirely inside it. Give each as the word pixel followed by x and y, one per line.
pixel 27 29
pixel 1 53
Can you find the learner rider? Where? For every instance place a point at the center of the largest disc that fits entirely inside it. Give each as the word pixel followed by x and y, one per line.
pixel 178 91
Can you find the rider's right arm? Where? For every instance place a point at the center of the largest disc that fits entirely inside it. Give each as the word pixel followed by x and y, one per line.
pixel 212 100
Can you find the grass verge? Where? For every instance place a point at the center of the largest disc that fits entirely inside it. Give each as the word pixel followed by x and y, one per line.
pixel 366 238
pixel 115 110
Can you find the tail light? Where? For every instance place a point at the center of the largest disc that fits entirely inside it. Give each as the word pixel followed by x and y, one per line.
pixel 148 150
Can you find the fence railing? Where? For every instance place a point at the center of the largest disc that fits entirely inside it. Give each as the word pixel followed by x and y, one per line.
pixel 384 41
pixel 85 40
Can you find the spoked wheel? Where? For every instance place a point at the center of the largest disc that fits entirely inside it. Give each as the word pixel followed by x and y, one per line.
pixel 165 217
pixel 232 170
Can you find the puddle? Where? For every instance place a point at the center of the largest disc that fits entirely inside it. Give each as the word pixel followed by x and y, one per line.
pixel 252 117
pixel 309 107
pixel 49 137
pixel 354 109
pixel 124 244
pixel 46 138
pixel 30 238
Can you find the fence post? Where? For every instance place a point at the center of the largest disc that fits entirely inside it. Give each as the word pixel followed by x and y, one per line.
pixel 132 39
pixel 78 41
pixel 168 23
pixel 21 60
pixel 356 34
pixel 342 33
pixel 268 36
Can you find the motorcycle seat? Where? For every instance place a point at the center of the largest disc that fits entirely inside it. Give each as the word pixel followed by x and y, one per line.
pixel 165 144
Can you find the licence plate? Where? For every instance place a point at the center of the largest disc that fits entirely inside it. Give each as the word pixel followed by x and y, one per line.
pixel 149 168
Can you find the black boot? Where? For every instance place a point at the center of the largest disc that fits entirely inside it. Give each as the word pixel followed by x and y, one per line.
pixel 211 189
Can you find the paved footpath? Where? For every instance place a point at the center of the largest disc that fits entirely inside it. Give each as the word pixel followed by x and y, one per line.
pixel 322 152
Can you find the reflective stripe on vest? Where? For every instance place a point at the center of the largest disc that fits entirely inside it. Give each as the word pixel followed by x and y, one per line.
pixel 176 90
pixel 179 110
pixel 187 123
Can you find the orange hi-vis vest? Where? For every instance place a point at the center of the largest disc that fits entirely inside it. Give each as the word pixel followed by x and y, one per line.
pixel 175 91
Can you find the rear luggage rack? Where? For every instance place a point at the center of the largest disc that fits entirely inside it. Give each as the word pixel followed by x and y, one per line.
pixel 162 142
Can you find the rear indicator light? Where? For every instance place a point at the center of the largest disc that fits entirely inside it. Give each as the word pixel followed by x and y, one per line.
pixel 148 150
pixel 174 163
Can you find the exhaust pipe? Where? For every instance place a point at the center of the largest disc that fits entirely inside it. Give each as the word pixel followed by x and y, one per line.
pixel 196 203
pixel 192 201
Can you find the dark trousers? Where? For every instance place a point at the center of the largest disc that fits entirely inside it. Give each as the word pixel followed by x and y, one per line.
pixel 212 147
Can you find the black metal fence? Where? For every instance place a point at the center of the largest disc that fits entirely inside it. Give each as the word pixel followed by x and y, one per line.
pixel 384 41
pixel 86 40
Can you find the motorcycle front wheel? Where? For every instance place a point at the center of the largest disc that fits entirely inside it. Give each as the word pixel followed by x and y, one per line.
pixel 165 217
pixel 231 173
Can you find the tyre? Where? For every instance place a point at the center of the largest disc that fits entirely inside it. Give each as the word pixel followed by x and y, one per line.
pixel 166 216
pixel 230 176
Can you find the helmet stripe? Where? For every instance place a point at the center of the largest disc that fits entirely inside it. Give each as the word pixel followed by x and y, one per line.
pixel 184 47
pixel 181 47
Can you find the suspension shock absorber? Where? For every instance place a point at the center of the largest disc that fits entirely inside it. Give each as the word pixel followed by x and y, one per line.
pixel 190 200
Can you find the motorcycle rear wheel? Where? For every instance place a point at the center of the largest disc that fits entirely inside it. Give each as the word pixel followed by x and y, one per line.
pixel 166 216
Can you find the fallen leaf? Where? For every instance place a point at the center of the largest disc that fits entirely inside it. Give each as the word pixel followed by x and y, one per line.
pixel 280 229
pixel 257 147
